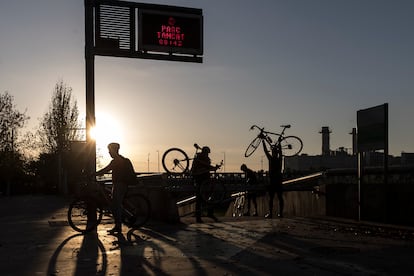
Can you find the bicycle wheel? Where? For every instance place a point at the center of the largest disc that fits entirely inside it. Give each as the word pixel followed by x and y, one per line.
pixel 78 214
pixel 175 161
pixel 238 207
pixel 136 210
pixel 291 145
pixel 214 192
pixel 252 146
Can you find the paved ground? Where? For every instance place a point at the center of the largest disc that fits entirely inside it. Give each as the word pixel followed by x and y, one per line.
pixel 36 240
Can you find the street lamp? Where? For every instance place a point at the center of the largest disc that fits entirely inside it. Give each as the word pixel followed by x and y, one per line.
pixel 158 152
pixel 261 162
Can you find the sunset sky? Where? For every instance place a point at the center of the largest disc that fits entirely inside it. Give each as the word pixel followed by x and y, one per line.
pixel 309 63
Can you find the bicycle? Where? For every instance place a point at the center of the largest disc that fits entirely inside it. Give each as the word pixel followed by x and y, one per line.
pixel 239 204
pixel 290 145
pixel 176 162
pixel 243 198
pixel 87 211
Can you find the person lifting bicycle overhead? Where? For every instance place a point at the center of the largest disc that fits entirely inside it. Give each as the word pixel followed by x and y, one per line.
pixel 275 177
pixel 201 174
pixel 123 174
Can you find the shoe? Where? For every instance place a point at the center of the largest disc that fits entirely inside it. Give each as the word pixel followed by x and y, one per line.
pixel 268 215
pixel 280 215
pixel 254 214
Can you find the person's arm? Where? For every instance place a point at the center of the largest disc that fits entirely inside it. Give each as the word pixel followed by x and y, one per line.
pixel 215 168
pixel 207 164
pixel 203 165
pixel 105 170
pixel 268 155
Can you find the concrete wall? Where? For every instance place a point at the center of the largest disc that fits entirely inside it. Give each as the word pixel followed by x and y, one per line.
pixel 163 204
pixel 393 203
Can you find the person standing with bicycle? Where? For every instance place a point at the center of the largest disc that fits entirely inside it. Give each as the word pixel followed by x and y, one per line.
pixel 123 174
pixel 201 174
pixel 275 177
pixel 251 180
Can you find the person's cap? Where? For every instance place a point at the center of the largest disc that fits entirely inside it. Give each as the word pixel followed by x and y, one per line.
pixel 205 149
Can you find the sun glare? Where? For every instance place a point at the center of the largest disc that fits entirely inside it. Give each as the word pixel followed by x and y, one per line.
pixel 106 130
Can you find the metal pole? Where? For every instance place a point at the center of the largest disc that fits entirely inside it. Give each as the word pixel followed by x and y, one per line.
pixel 386 188
pixel 360 176
pixel 90 162
pixel 224 161
pixel 158 153
pixel 261 162
pixel 90 85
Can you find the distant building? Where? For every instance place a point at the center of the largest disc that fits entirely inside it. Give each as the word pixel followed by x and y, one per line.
pixel 341 158
pixel 306 162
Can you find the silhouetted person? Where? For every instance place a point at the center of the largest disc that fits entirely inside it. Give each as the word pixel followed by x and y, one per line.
pixel 201 175
pixel 275 178
pixel 123 174
pixel 251 180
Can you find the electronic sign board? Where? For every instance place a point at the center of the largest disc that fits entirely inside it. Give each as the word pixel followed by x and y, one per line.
pixel 170 32
pixel 150 31
pixel 372 128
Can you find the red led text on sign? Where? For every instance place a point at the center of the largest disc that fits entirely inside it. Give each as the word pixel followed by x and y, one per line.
pixel 170 35
pixel 170 32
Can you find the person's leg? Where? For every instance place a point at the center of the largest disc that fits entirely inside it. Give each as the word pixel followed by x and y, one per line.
pixel 210 212
pixel 255 205
pixel 271 193
pixel 281 202
pixel 248 197
pixel 197 202
pixel 118 193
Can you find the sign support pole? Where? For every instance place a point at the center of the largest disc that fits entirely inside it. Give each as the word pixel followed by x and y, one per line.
pixel 386 149
pixel 90 86
pixel 90 162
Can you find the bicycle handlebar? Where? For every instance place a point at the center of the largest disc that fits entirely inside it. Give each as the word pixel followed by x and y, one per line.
pixel 255 126
pixel 262 128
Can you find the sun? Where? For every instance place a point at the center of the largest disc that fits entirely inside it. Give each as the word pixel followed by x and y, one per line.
pixel 107 130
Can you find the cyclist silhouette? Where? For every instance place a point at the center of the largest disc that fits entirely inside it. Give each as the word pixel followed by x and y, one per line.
pixel 201 174
pixel 275 177
pixel 251 180
pixel 123 174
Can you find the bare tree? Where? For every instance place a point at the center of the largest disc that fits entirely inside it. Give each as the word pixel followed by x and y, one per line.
pixel 11 120
pixel 60 125
pixel 58 128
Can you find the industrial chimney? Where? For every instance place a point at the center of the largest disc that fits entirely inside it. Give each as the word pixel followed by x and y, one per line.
pixel 354 141
pixel 325 141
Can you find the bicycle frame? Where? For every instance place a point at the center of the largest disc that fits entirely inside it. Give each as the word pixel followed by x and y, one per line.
pixel 105 194
pixel 267 133
pixel 290 145
pixel 86 211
